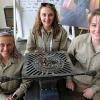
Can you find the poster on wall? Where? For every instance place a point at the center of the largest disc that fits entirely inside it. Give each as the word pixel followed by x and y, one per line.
pixel 71 13
pixel 75 12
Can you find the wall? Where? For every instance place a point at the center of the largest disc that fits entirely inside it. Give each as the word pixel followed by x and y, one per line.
pixel 26 11
pixel 3 4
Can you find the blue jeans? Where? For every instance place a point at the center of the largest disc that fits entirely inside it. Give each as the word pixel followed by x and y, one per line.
pixel 49 94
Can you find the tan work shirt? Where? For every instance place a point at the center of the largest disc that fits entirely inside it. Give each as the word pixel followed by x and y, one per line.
pixel 13 69
pixel 46 41
pixel 85 59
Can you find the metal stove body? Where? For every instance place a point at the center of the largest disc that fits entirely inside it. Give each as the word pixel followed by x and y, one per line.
pixel 46 67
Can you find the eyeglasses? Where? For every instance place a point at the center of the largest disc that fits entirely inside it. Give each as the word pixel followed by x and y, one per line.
pixel 45 4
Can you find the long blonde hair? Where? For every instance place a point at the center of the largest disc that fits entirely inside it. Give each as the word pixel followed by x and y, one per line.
pixel 38 24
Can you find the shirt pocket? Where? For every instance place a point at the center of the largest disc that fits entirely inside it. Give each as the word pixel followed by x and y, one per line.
pixel 56 43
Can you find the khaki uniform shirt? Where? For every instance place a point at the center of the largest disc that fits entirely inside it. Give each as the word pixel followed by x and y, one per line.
pixel 86 59
pixel 46 41
pixel 13 69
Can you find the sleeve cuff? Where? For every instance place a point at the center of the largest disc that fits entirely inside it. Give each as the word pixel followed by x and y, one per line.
pixel 14 96
pixel 95 88
pixel 68 78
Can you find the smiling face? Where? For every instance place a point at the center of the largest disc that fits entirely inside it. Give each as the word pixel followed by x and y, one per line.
pixel 6 46
pixel 47 17
pixel 95 27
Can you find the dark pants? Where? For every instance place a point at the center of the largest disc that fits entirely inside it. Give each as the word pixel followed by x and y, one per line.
pixel 61 93
pixel 49 94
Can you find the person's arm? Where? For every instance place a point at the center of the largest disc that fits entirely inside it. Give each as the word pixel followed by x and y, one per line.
pixel 25 83
pixel 91 91
pixel 22 89
pixel 96 85
pixel 71 53
pixel 31 45
pixel 63 42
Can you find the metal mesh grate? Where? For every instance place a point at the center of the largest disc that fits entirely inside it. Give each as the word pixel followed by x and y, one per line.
pixel 47 64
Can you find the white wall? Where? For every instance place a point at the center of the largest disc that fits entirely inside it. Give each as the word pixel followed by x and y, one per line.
pixel 3 4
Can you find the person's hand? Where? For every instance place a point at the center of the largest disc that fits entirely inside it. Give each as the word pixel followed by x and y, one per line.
pixel 9 98
pixel 88 93
pixel 70 85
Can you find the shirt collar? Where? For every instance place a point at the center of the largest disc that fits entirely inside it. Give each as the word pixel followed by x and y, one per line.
pixel 48 33
pixel 11 60
pixel 89 38
pixel 90 43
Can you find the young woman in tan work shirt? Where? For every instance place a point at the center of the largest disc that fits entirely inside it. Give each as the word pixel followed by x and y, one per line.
pixel 85 54
pixel 47 35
